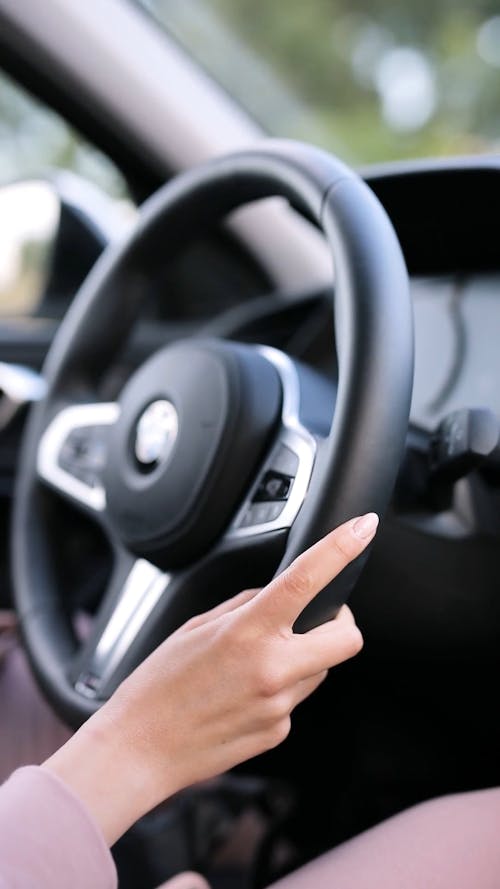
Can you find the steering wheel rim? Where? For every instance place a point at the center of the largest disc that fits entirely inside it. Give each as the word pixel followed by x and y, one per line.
pixel 358 461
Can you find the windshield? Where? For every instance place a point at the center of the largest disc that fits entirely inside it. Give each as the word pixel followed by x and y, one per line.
pixel 369 80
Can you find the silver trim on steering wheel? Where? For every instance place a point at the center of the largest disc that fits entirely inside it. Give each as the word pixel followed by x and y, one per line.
pixel 142 590
pixel 69 419
pixel 292 436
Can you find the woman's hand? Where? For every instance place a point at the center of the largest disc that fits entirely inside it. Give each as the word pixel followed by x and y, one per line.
pixel 218 691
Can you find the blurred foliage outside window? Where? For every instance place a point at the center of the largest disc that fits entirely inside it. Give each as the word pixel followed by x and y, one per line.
pixel 370 80
pixel 33 141
pixel 29 218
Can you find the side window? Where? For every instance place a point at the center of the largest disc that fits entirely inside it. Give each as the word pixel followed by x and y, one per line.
pixel 40 157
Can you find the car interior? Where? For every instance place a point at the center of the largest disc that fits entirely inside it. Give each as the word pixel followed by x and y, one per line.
pixel 302 391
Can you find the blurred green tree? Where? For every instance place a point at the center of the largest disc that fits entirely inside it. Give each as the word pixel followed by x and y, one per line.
pixel 373 81
pixel 33 138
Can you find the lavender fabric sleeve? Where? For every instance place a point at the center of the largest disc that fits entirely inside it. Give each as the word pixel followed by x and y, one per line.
pixel 48 839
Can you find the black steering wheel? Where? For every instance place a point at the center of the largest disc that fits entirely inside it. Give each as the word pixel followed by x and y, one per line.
pixel 217 464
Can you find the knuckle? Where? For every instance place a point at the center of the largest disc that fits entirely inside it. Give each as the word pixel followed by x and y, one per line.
pixel 233 630
pixel 297 579
pixel 278 733
pixel 277 707
pixel 269 679
pixel 355 640
pixel 345 615
pixel 233 637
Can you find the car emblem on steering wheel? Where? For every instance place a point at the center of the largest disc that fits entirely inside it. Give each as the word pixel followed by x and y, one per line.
pixel 156 433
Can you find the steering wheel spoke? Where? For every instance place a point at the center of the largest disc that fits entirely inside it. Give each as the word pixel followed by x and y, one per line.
pixel 135 589
pixel 143 605
pixel 72 453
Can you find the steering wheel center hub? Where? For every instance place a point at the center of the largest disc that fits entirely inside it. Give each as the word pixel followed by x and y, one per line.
pixel 194 422
pixel 156 433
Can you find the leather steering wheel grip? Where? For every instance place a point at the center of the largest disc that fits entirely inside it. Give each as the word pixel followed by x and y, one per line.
pixel 355 467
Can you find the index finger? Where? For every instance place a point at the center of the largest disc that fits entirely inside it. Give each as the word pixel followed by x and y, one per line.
pixel 287 595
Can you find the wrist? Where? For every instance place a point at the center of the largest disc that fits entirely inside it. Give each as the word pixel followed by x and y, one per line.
pixel 105 774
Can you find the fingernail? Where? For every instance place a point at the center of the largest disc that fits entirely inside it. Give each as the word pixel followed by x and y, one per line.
pixel 365 526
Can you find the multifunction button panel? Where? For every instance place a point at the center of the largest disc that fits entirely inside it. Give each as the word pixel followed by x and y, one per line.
pixel 279 490
pixel 273 489
pixel 72 452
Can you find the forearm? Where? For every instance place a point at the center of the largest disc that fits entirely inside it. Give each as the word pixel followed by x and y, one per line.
pixel 97 767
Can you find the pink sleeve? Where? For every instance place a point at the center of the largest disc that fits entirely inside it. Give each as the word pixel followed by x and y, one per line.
pixel 47 837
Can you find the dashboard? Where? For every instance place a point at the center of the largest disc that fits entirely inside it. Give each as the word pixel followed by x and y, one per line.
pixel 445 215
pixel 457 346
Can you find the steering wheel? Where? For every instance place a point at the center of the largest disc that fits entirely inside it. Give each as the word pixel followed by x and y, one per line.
pixel 219 462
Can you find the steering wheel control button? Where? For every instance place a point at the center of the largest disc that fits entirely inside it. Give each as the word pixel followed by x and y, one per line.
pixel 279 489
pixel 274 486
pixel 73 452
pixel 260 514
pixel 285 461
pixel 156 433
pixel 83 454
